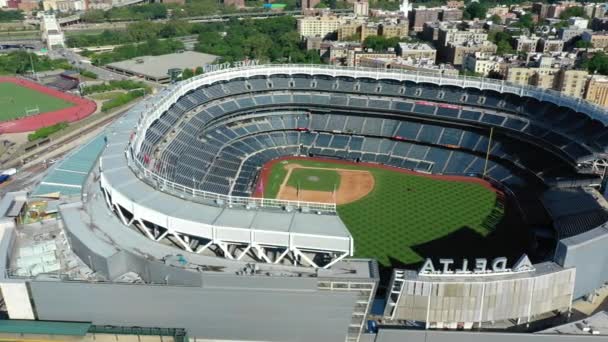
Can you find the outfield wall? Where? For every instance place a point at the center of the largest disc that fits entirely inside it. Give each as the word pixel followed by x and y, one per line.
pixel 81 109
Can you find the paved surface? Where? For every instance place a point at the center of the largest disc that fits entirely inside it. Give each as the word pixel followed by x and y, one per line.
pixel 76 60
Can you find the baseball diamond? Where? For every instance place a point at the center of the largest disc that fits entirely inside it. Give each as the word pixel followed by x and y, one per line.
pixel 389 211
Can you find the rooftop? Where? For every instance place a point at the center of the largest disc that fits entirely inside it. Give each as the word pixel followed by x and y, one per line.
pixel 415 46
pixel 596 324
pixel 157 66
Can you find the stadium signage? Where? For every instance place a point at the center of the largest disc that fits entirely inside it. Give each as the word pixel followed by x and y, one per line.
pixel 228 65
pixel 481 266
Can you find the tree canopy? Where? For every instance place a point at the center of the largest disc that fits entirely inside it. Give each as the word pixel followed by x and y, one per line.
pixel 20 62
pixel 140 12
pixel 597 64
pixel 502 41
pixel 379 43
pixel 475 10
pixel 574 11
pixel 136 32
pixel 151 47
pixel 273 39
pixel 10 15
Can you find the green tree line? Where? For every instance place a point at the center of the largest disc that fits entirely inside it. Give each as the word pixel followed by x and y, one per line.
pixel 10 15
pixel 151 47
pixel 18 62
pixel 140 12
pixel 46 131
pixel 137 32
pixel 113 85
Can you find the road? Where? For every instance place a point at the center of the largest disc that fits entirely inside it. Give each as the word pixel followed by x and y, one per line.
pixel 75 59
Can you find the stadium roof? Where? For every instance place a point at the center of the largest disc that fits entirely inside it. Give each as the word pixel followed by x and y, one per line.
pixel 43 327
pixel 67 177
pixel 185 214
pixel 157 67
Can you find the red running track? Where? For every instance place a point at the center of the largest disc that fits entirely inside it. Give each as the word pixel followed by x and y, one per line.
pixel 81 109
pixel 267 168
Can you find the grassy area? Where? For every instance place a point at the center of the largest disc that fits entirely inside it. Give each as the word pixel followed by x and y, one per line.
pixel 110 95
pixel 408 217
pixel 314 179
pixel 46 131
pixel 121 100
pixel 15 100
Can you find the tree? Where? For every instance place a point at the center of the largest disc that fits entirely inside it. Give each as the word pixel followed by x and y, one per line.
pixel 502 41
pixel 496 19
pixel 187 73
pixel 93 16
pixel 582 44
pixel 526 21
pixel 380 43
pixel 574 11
pixel 598 63
pixel 475 10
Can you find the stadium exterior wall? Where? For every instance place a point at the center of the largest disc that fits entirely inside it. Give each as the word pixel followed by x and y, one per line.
pixel 588 252
pixel 452 299
pixel 242 311
pixel 400 335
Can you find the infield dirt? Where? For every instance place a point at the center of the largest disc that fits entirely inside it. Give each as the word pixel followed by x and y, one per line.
pixel 354 185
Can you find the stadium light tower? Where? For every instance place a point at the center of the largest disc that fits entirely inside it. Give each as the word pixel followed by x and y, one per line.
pixel 485 164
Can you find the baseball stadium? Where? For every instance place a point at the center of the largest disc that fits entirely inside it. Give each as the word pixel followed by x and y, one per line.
pixel 328 198
pixel 28 106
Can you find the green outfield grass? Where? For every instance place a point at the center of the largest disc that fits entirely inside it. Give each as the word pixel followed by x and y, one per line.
pixel 404 215
pixel 314 179
pixel 15 100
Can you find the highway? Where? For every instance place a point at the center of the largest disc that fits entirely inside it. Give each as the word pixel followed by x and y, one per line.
pixel 198 19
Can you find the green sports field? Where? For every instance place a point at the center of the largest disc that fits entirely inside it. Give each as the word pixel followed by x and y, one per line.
pixel 405 217
pixel 15 100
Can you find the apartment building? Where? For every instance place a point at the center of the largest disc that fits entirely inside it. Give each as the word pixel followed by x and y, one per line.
pixel 417 51
pixel 482 63
pixel 421 15
pixel 549 45
pixel 598 39
pixel 525 43
pixel 319 26
pixel 571 82
pixel 597 90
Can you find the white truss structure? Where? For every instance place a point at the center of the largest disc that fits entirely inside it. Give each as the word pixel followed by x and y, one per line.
pixel 233 243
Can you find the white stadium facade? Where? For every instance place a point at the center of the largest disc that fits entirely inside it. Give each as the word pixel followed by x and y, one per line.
pixel 165 233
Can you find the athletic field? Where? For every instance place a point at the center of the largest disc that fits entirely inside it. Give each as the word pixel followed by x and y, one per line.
pixel 394 217
pixel 16 100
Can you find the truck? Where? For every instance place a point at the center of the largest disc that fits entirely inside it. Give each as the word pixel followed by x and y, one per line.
pixel 6 174
pixel 9 172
